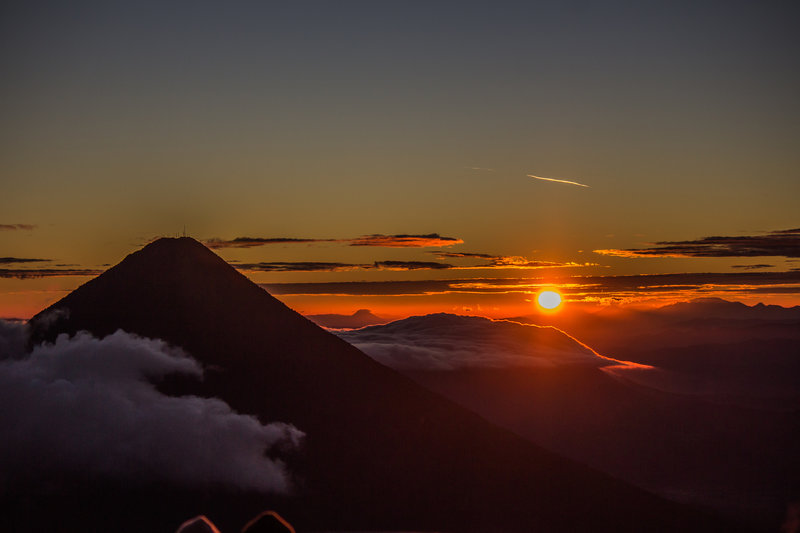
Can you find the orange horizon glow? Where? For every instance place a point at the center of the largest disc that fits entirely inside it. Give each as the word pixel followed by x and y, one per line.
pixel 511 300
pixel 25 304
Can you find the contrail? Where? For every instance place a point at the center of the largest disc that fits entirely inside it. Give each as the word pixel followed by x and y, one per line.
pixel 557 181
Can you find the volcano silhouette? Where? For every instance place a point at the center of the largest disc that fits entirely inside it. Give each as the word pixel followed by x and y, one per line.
pixel 380 452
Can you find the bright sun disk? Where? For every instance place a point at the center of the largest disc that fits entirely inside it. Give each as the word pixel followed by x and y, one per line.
pixel 549 299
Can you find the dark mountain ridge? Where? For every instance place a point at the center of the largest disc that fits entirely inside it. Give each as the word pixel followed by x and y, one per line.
pixel 380 451
pixel 359 319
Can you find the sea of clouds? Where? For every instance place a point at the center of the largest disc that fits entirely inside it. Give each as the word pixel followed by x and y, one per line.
pixel 450 342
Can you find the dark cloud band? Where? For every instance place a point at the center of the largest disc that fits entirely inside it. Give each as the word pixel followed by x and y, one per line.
pixel 300 266
pixel 752 267
pixel 782 243
pixel 311 266
pixel 579 285
pixel 375 240
pixel 411 265
pixel 404 241
pixel 18 260
pixel 12 227
pixel 252 242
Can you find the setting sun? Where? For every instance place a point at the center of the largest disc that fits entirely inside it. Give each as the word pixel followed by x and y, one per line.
pixel 549 299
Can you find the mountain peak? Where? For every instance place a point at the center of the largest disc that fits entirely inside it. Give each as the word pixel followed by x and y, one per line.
pixel 159 290
pixel 176 249
pixel 165 241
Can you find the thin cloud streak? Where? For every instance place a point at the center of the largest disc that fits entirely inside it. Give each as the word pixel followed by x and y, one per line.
pixel 251 242
pixel 312 266
pixel 377 240
pixel 449 255
pixel 752 267
pixel 34 273
pixel 411 265
pixel 299 266
pixel 16 260
pixel 13 227
pixel 558 181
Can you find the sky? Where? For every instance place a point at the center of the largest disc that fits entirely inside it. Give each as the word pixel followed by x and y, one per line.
pixel 491 148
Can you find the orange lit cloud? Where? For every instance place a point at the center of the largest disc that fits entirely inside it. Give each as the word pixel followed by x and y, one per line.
pixel 783 243
pixel 505 261
pixel 405 241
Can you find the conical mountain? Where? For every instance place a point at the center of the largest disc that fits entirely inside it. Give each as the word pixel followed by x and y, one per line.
pixel 380 451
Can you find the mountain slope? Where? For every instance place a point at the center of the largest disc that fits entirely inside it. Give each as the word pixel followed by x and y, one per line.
pixel 381 451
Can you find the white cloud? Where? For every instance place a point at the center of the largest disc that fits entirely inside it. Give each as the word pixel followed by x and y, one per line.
pixel 87 405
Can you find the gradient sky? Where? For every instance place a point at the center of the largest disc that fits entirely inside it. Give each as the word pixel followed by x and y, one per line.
pixel 123 121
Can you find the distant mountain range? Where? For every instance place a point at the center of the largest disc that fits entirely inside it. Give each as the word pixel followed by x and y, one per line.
pixel 715 423
pixel 380 452
pixel 625 331
pixel 705 308
pixel 359 319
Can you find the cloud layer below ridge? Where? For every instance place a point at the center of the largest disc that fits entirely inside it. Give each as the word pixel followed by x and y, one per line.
pixel 88 406
pixel 449 342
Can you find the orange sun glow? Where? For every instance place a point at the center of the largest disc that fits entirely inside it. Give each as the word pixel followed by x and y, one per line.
pixel 549 299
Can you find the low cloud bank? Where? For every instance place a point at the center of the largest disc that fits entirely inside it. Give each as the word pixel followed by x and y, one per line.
pixel 450 342
pixel 88 407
